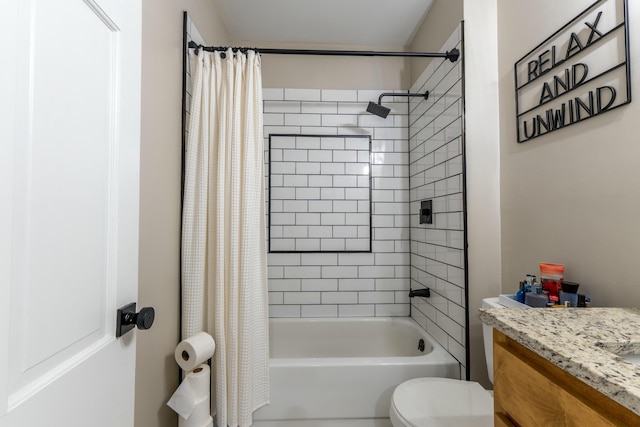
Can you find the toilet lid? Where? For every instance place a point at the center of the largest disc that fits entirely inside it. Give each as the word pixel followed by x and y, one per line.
pixel 442 402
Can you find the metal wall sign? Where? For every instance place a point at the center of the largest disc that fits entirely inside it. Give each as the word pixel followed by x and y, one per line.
pixel 580 71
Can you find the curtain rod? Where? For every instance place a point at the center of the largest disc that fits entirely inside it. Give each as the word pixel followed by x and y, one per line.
pixel 452 55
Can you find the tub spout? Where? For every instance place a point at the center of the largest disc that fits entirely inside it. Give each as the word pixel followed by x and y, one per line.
pixel 423 292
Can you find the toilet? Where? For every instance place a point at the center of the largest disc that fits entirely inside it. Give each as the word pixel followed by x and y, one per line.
pixel 440 402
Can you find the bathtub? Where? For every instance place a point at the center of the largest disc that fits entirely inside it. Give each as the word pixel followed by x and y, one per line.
pixel 342 372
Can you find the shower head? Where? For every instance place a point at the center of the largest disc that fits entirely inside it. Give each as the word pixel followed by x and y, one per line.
pixel 382 111
pixel 378 109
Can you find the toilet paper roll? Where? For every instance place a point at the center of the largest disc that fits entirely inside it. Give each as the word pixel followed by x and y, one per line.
pixel 200 416
pixel 194 388
pixel 208 424
pixel 200 381
pixel 194 351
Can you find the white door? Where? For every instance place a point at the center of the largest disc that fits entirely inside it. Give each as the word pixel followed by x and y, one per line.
pixel 69 163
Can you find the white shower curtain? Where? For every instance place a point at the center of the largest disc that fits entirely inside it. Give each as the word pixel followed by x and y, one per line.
pixel 224 262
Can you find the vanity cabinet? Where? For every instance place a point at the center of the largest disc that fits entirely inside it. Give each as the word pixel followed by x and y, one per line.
pixel 531 391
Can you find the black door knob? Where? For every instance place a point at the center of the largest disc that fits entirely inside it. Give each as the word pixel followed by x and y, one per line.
pixel 127 318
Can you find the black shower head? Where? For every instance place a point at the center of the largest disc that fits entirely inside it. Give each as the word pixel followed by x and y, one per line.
pixel 382 111
pixel 378 109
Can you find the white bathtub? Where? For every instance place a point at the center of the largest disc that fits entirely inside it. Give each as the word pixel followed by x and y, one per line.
pixel 342 372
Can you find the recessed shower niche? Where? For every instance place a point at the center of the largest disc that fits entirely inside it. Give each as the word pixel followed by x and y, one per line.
pixel 319 193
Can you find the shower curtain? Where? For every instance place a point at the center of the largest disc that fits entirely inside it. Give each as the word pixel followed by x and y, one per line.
pixel 224 279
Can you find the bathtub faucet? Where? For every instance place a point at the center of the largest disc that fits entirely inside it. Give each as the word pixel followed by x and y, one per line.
pixel 423 292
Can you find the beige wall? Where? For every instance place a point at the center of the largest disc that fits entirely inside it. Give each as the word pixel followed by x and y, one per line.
pixel 331 72
pixel 156 371
pixel 443 17
pixel 572 196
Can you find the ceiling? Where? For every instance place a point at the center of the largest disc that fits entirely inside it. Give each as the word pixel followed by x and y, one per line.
pixel 367 23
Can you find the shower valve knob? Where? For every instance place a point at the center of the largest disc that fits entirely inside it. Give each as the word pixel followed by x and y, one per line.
pixel 127 318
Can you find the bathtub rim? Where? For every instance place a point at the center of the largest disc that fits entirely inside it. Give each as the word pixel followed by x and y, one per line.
pixel 437 355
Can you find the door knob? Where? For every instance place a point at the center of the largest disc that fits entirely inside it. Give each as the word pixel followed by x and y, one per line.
pixel 127 318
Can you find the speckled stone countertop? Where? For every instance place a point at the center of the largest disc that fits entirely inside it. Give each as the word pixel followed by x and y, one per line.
pixel 585 342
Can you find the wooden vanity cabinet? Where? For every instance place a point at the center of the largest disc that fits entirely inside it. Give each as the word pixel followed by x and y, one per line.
pixel 531 391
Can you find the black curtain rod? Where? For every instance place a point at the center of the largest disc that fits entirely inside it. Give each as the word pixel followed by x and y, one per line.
pixel 452 55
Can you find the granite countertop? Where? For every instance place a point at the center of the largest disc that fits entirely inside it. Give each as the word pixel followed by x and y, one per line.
pixel 584 342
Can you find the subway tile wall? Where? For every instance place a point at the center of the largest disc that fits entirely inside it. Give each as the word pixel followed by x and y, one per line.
pixel 333 284
pixel 320 193
pixel 436 173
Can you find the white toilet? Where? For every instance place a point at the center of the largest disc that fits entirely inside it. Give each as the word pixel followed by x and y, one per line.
pixel 441 402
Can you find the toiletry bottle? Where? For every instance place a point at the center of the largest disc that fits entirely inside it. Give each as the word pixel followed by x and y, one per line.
pixel 520 293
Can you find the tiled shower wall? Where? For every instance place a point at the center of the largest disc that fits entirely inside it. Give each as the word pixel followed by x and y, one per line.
pixel 334 284
pixel 436 173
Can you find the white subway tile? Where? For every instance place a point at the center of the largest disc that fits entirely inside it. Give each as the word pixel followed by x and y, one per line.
pixel 294 156
pixel 339 95
pixel 345 181
pixel 392 310
pixel 356 219
pixel 360 244
pixel 339 297
pixel 320 284
pixel 282 167
pixel 269 94
pixel 307 244
pixel 320 205
pixel 346 156
pixel 282 244
pixel 320 232
pixel 276 298
pixel 318 130
pixel 452 328
pixel 332 168
pixel 273 119
pixel 320 156
pixel 283 259
pixel 307 143
pixel 339 120
pixel 276 311
pixel 333 245
pixel 344 232
pixel 376 297
pixel 319 259
pixel 296 205
pixel 302 297
pixel 307 193
pixel 352 108
pixel 359 310
pixel 294 232
pixel 302 119
pixel 356 284
pixel 320 107
pixel 339 272
pixel 281 107
pixel 382 196
pixel 284 285
pixel 357 169
pixel 302 272
pixel 330 143
pixel 307 219
pixel 295 181
pixel 345 206
pixel 376 271
pixel 319 310
pixel 392 285
pixel 332 193
pixel 283 218
pixel 357 193
pixel 302 94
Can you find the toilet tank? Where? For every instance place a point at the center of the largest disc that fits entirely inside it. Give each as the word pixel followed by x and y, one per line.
pixel 503 301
